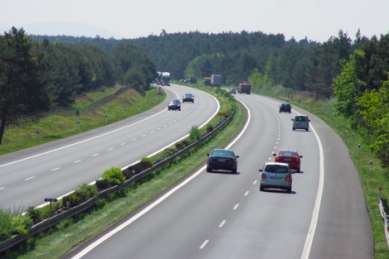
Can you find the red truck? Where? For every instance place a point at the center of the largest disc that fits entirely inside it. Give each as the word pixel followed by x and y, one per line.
pixel 244 87
pixel 207 81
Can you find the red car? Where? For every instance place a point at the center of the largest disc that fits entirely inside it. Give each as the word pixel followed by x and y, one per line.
pixel 290 157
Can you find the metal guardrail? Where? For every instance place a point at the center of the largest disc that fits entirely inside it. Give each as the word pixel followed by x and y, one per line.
pixel 47 223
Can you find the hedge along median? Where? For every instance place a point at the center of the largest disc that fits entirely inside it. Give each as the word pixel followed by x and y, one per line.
pixel 105 212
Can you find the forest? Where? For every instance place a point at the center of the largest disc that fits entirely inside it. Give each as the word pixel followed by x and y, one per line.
pixel 36 74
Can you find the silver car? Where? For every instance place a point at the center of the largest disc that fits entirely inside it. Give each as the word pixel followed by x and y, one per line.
pixel 275 175
pixel 301 122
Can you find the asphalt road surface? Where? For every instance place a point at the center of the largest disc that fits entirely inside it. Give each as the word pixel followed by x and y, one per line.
pixel 224 215
pixel 51 170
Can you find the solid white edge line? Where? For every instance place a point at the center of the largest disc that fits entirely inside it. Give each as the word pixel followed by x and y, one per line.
pixel 155 203
pixel 86 140
pixel 316 208
pixel 204 244
pixel 1 188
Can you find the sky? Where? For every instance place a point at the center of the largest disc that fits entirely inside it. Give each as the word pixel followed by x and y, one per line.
pixel 317 20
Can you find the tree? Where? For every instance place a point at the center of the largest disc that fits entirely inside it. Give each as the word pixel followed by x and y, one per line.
pixel 22 82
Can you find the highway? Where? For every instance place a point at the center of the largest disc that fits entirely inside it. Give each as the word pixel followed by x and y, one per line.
pixel 224 215
pixel 56 168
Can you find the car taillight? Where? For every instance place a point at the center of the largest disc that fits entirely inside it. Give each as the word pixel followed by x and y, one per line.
pixel 231 161
pixel 288 177
pixel 210 160
pixel 263 176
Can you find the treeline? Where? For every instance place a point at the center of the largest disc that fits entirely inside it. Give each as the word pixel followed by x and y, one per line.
pixel 362 91
pixel 36 74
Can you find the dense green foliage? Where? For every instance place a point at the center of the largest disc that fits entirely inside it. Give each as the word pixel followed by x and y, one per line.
pixel 362 89
pixel 114 176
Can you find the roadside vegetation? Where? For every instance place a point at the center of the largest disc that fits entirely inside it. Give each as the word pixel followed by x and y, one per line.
pixel 325 110
pixel 56 127
pixel 77 230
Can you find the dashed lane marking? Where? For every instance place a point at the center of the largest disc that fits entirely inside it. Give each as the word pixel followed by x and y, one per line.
pixel 221 224
pixel 236 206
pixel 204 244
pixel 29 178
pixel 78 161
pixel 55 169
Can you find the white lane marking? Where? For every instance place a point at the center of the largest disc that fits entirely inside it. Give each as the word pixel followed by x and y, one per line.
pixel 246 193
pixel 236 206
pixel 29 178
pixel 164 125
pixel 143 136
pixel 96 154
pixel 255 182
pixel 1 188
pixel 123 144
pixel 174 121
pixel 55 169
pixel 77 161
pixel 86 140
pixel 275 147
pixel 134 139
pixel 278 139
pixel 110 149
pixel 170 123
pixel 269 158
pixel 316 208
pixel 159 128
pixel 204 244
pixel 165 196
pixel 152 132
pixel 221 224
pixel 276 143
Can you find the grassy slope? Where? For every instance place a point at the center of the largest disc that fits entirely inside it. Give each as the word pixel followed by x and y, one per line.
pixel 57 127
pixel 61 239
pixel 370 181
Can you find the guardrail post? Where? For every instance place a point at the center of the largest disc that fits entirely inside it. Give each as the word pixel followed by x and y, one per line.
pixel 154 100
pixel 379 193
pixel 147 104
pixel 359 149
pixel 138 108
pixel 325 115
pixel 334 122
pixel 371 166
pixel 125 112
pixel 352 136
pixel 37 136
pixel 342 128
pixel 79 125
pixel 106 118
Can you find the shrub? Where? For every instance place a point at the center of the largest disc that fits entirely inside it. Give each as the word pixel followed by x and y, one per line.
pixel 168 152
pixel 209 127
pixel 21 224
pixel 34 213
pixel 194 133
pixel 147 161
pixel 85 192
pixel 103 184
pixel 179 145
pixel 5 224
pixel 114 176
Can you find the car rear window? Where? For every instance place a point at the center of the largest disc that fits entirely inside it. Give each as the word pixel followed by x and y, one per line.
pixel 276 169
pixel 285 104
pixel 223 153
pixel 188 95
pixel 287 153
pixel 301 118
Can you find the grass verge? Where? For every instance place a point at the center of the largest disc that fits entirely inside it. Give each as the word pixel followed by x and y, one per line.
pixel 370 180
pixel 57 127
pixel 61 239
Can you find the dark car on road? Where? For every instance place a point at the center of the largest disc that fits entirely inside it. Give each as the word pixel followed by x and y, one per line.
pixel 224 159
pixel 232 91
pixel 188 98
pixel 174 104
pixel 285 107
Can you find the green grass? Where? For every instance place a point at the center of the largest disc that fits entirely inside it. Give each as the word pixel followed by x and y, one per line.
pixel 370 181
pixel 61 239
pixel 88 98
pixel 56 127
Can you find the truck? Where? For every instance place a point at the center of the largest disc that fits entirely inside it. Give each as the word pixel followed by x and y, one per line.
pixel 216 80
pixel 166 78
pixel 207 81
pixel 159 78
pixel 244 87
pixel 192 80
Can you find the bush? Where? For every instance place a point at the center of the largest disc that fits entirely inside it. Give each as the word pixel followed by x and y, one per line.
pixel 194 133
pixel 35 214
pixel 21 224
pixel 103 184
pixel 114 176
pixel 168 152
pixel 147 161
pixel 180 145
pixel 85 192
pixel 5 224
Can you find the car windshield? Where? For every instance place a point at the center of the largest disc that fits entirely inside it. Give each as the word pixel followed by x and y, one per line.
pixel 301 118
pixel 222 153
pixel 276 169
pixel 287 153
